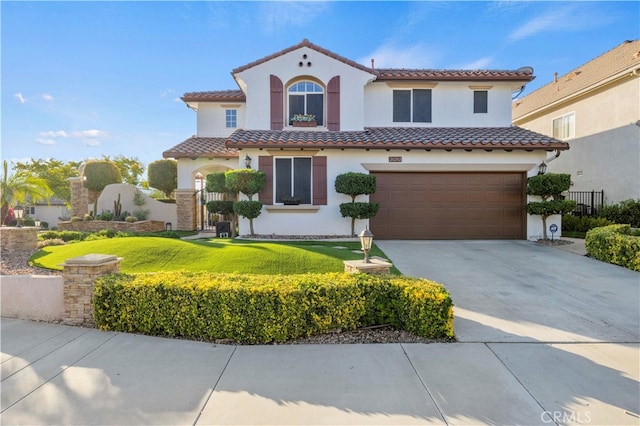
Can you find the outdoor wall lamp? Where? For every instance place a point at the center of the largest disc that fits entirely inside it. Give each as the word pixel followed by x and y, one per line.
pixel 37 223
pixel 18 211
pixel 366 240
pixel 542 168
pixel 247 161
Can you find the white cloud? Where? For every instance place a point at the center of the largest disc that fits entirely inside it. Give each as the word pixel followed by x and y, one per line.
pixel 20 98
pixel 91 137
pixel 47 97
pixel 391 56
pixel 54 134
pixel 167 92
pixel 275 16
pixel 568 18
pixel 479 64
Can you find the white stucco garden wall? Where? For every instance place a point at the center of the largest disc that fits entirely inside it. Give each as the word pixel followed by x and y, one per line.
pixel 32 297
pixel 165 212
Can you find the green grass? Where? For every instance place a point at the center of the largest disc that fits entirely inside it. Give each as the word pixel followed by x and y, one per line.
pixel 151 254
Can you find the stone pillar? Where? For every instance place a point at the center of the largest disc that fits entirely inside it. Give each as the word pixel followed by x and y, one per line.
pixel 14 238
pixel 79 275
pixel 79 197
pixel 187 209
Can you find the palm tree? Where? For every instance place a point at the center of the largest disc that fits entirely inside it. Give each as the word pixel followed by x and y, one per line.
pixel 18 189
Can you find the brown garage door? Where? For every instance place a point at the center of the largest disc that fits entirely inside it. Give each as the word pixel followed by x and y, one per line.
pixel 449 206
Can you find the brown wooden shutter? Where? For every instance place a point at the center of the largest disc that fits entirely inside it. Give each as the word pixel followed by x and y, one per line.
pixel 333 104
pixel 277 106
pixel 320 181
pixel 265 164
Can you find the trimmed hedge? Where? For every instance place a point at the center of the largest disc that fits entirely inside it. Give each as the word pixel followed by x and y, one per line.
pixel 268 308
pixel 572 223
pixel 614 244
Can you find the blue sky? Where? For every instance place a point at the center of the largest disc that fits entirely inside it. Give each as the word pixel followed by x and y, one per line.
pixel 86 79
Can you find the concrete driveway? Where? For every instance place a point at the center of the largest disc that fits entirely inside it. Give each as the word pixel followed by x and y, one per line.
pixel 520 291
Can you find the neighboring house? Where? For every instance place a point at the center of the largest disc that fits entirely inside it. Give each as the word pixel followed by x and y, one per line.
pixel 448 163
pixel 597 108
pixel 50 211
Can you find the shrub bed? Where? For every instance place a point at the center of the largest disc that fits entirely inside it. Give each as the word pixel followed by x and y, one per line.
pixel 268 308
pixel 572 223
pixel 614 244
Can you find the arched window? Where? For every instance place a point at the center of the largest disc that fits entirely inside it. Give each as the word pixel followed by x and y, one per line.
pixel 306 97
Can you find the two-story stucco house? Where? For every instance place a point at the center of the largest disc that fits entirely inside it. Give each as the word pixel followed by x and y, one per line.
pixel 447 161
pixel 597 108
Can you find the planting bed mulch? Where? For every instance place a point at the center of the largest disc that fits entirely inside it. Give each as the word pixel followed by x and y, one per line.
pixel 554 242
pixel 16 262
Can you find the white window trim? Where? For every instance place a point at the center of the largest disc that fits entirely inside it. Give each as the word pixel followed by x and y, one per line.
pixel 572 127
pixel 275 173
pixel 324 101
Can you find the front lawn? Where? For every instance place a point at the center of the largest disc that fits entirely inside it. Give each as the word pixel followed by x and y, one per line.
pixel 152 254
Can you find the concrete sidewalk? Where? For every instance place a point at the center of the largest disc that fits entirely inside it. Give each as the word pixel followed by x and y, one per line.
pixel 53 374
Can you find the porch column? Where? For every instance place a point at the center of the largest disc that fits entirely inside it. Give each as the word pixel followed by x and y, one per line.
pixel 187 209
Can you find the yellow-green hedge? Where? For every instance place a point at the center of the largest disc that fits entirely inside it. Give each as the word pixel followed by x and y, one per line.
pixel 268 308
pixel 614 244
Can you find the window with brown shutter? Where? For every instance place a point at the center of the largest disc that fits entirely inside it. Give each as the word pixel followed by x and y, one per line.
pixel 277 103
pixel 265 164
pixel 333 104
pixel 319 181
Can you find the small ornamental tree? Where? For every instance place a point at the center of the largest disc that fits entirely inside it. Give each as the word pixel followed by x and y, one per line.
pixel 354 184
pixel 249 182
pixel 216 183
pixel 163 176
pixel 97 175
pixel 549 187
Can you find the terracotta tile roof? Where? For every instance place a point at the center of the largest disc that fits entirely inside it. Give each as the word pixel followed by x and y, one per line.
pixel 400 137
pixel 201 147
pixel 304 43
pixel 386 74
pixel 622 58
pixel 215 96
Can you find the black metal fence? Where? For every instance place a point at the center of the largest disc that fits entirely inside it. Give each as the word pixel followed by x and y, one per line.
pixel 205 219
pixel 589 203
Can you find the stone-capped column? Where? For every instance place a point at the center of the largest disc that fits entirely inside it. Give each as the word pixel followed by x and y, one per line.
pixel 375 266
pixel 79 197
pixel 14 238
pixel 79 275
pixel 187 209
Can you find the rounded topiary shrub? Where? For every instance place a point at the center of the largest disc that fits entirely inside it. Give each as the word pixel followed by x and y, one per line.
pixel 131 219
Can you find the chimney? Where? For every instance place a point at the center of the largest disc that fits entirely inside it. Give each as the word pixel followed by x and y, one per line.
pixel 555 77
pixel 372 67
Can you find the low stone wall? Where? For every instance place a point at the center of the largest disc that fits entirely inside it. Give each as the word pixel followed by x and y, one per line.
pixel 32 297
pixel 14 238
pixel 99 225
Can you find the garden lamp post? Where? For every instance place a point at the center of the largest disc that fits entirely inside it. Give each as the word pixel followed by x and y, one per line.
pixel 366 240
pixel 18 211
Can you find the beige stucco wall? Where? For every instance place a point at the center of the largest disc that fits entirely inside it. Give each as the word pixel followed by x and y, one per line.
pixel 605 152
pixel 32 297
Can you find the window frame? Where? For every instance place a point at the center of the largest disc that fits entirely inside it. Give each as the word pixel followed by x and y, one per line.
pixel 567 126
pixel 231 118
pixel 408 111
pixel 305 94
pixel 479 102
pixel 292 177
